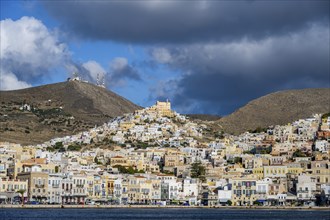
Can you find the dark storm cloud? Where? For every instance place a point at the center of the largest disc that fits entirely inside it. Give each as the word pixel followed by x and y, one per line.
pixel 220 77
pixel 183 21
pixel 228 52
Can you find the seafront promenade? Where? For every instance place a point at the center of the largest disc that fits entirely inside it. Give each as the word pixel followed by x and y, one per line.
pixel 163 207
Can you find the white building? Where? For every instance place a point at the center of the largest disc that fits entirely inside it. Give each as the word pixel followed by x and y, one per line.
pixel 306 188
pixel 54 188
pixel 224 194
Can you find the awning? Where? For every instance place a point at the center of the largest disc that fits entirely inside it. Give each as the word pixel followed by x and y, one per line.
pixel 261 200
pixel 223 200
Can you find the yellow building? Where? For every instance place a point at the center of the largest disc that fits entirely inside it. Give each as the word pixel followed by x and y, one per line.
pixel 9 188
pixel 294 168
pixel 321 171
pixel 37 182
pixel 118 160
pixel 17 167
pixel 125 125
pixel 243 190
pixel 259 172
pixel 14 169
pixel 151 167
pixel 90 185
pixel 275 171
pixel 173 158
pixel 109 187
pixel 134 191
pixel 162 109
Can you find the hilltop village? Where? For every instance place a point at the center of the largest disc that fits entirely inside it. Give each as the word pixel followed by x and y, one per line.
pixel 156 156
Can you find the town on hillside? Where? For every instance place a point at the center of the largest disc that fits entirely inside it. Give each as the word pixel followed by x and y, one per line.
pixel 156 156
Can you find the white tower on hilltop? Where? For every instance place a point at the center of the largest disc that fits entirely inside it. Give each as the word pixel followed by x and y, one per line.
pixel 98 82
pixel 103 81
pixel 75 77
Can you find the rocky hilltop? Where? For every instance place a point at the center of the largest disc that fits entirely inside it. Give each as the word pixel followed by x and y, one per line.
pixel 37 114
pixel 277 109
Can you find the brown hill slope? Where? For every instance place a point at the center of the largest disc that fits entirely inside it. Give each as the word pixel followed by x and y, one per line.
pixel 57 110
pixel 203 117
pixel 277 109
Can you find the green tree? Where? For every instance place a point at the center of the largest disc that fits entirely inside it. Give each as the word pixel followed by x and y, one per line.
pixel 229 202
pixel 198 170
pixel 257 203
pixel 58 145
pixel 50 149
pixel 96 160
pixel 21 192
pixel 299 153
pixel 326 115
pixel 238 160
pixel 74 148
pixel 129 170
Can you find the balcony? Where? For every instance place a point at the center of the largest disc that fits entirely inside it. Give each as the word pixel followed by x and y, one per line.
pixel 55 185
pixel 80 186
pixel 39 185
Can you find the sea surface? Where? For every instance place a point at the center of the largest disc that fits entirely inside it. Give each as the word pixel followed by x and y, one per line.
pixel 162 213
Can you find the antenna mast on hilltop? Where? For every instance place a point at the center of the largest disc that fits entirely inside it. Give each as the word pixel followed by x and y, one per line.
pixel 100 81
pixel 103 81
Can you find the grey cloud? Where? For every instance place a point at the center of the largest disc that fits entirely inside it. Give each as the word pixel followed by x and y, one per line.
pixel 183 21
pixel 120 71
pixel 220 77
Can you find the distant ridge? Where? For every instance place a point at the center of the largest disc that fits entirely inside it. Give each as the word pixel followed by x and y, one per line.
pixel 277 109
pixel 87 103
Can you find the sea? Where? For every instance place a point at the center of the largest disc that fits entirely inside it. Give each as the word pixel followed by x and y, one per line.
pixel 161 213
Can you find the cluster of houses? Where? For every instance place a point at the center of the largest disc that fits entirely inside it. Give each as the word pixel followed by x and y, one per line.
pixel 158 156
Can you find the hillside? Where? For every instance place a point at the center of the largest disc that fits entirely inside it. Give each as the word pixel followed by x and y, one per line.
pixel 277 109
pixel 203 117
pixel 56 110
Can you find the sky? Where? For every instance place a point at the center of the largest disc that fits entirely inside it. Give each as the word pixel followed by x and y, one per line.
pixel 206 57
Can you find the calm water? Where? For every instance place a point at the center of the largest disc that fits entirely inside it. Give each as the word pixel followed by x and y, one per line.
pixel 223 214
